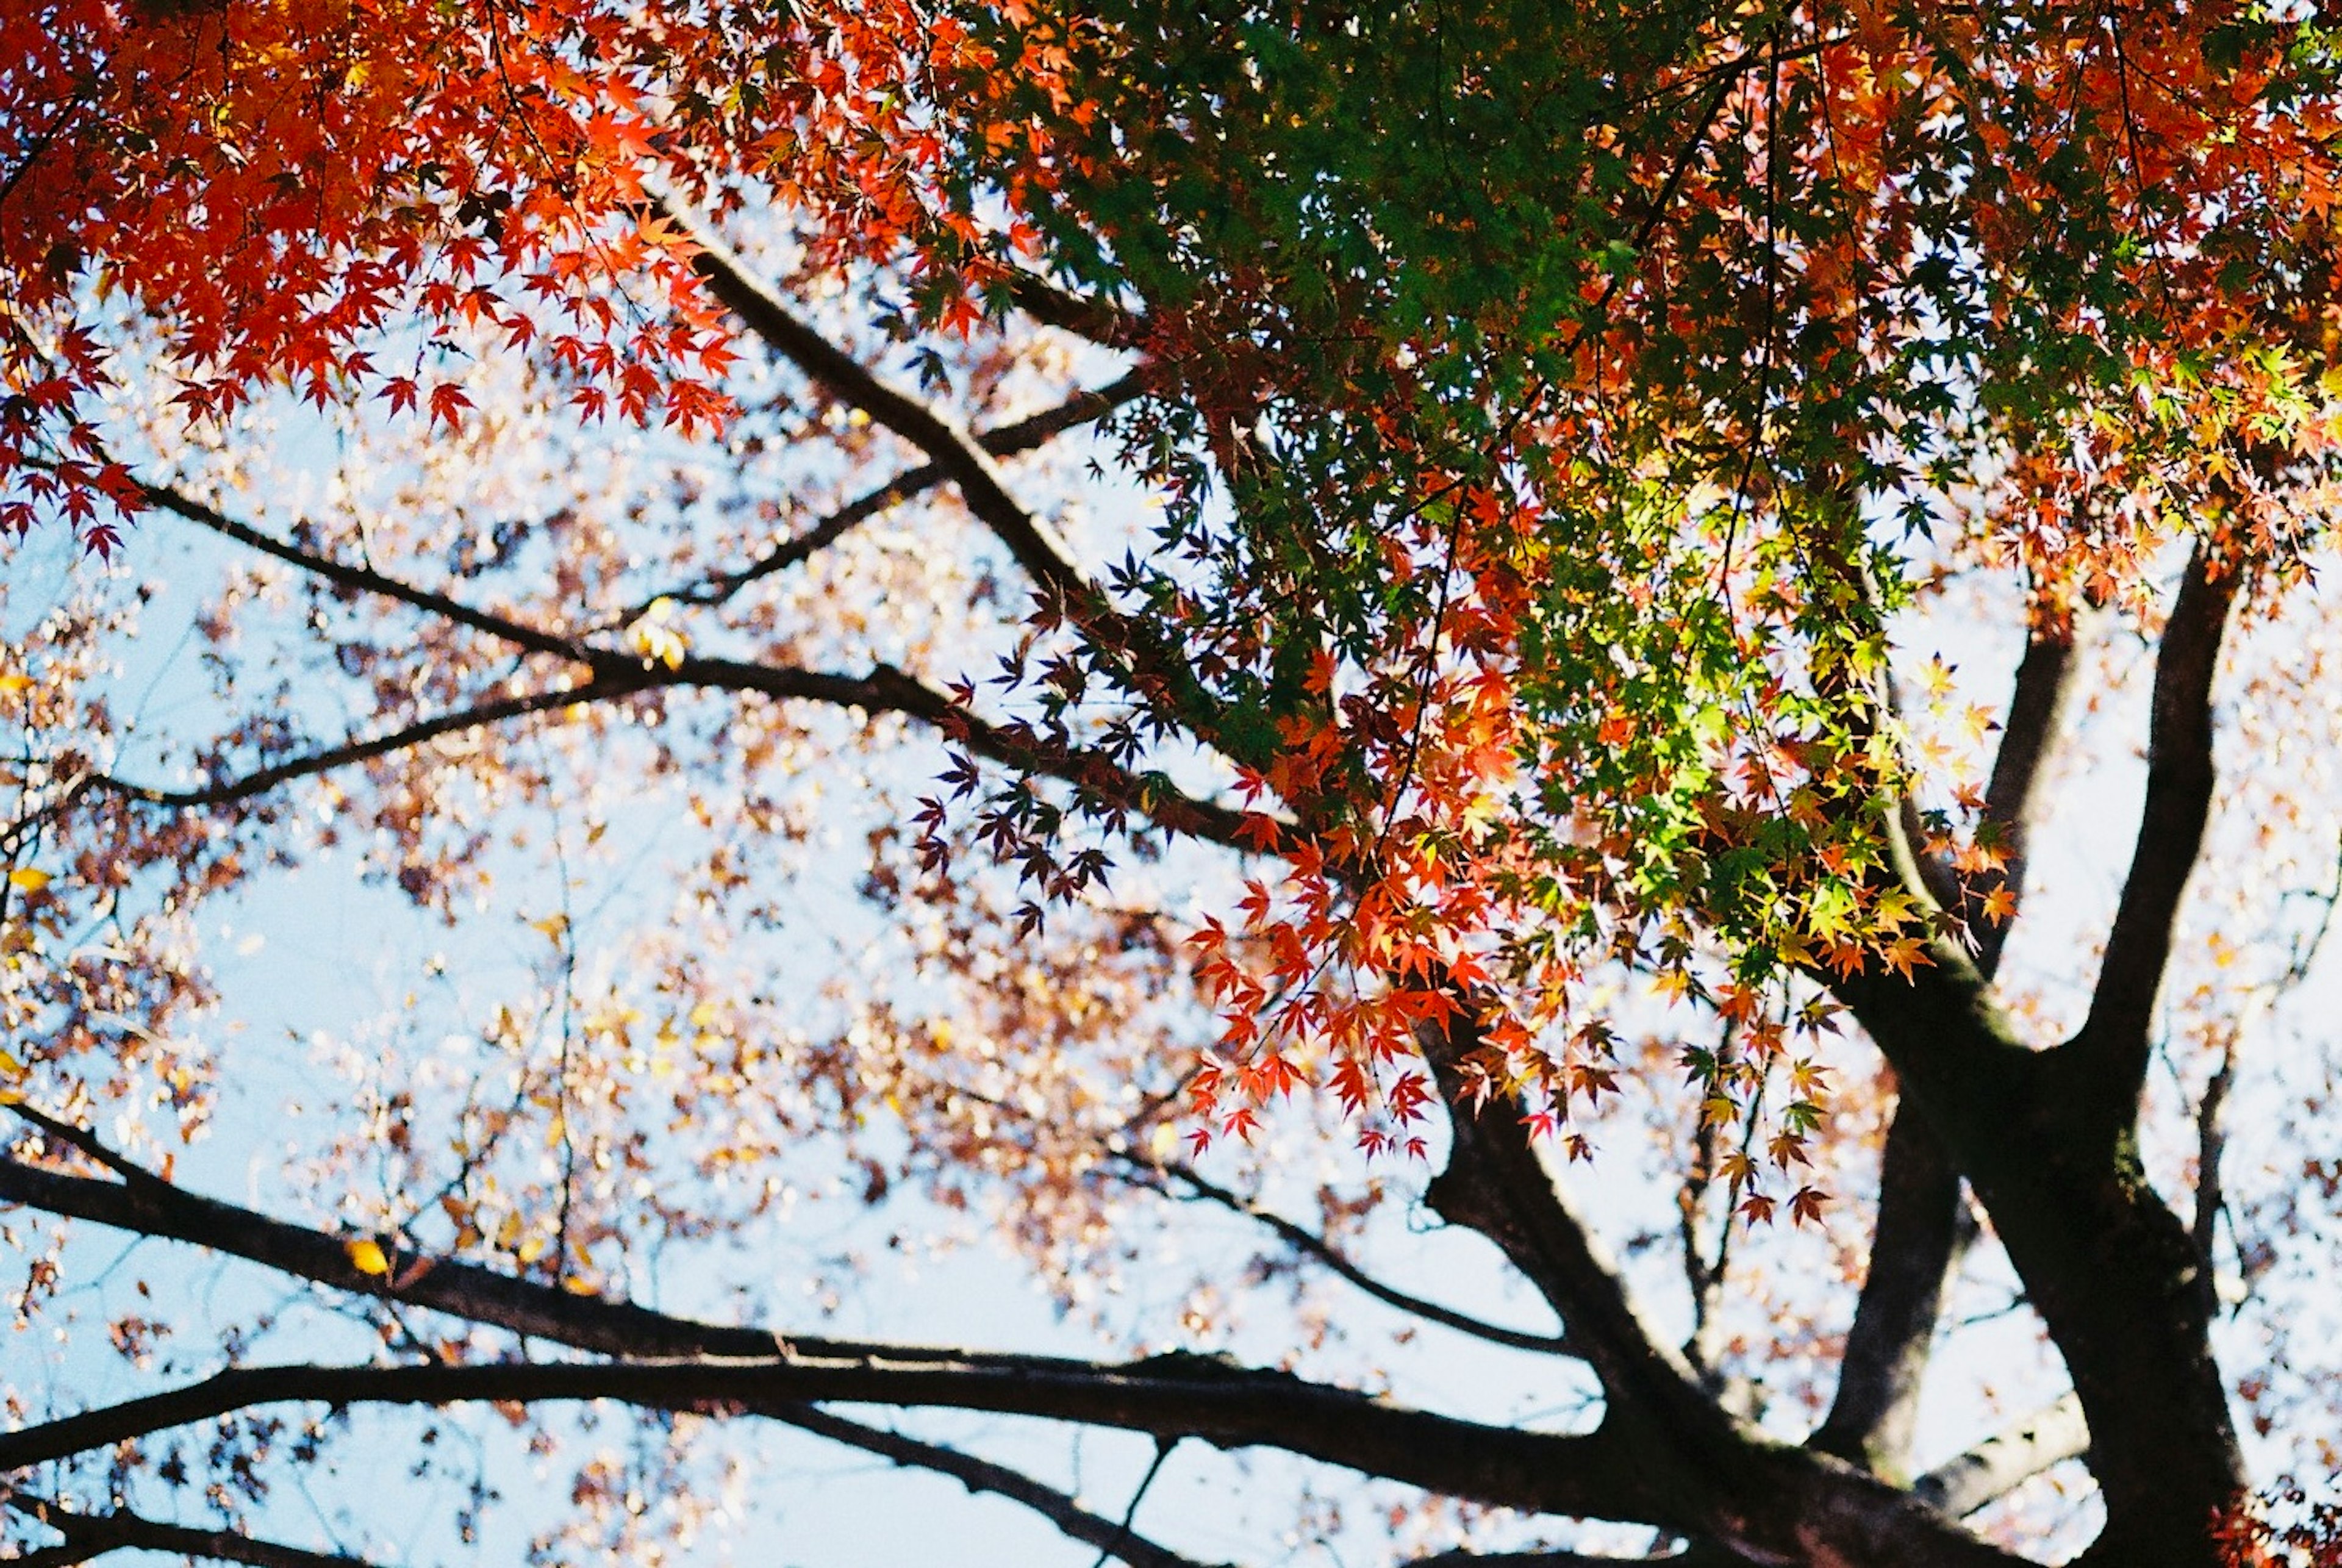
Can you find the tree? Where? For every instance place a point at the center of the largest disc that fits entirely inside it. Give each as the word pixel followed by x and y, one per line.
pixel 594 468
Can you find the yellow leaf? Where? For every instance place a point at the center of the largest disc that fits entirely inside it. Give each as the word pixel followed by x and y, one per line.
pixel 10 1067
pixel 531 1250
pixel 555 926
pixel 12 684
pixel 367 1257
pixel 12 1097
pixel 578 1286
pixel 29 879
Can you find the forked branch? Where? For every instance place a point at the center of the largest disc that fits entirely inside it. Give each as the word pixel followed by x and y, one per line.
pixel 1924 1225
pixel 1149 661
pixel 1017 436
pixel 1739 1488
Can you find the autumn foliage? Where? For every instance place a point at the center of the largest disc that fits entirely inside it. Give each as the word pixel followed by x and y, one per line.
pixel 1437 548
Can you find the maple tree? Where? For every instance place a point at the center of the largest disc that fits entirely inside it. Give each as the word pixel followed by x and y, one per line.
pixel 1228 643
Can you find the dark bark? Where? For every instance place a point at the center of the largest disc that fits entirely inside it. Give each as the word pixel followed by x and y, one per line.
pixel 1737 1488
pixel 1188 1396
pixel 88 1536
pixel 1168 1397
pixel 2110 1269
pixel 2047 1141
pixel 1923 1226
pixel 2179 783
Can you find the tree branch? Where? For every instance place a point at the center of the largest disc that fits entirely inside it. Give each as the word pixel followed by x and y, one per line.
pixel 330 759
pixel 1153 663
pixel 2180 781
pixel 364 750
pixel 367 580
pixel 86 1142
pixel 1108 325
pixel 2036 708
pixel 886 690
pixel 2211 1145
pixel 946 442
pixel 1020 435
pixel 1313 1245
pixel 1760 1498
pixel 154 1207
pixel 1699 1555
pixel 88 1536
pixel 2111 1270
pixel 1319 1421
pixel 1175 1397
pixel 982 1476
pixel 1994 1467
pixel 1923 1227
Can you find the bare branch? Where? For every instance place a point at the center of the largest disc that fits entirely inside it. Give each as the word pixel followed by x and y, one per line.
pixel 1994 1467
pixel 330 759
pixel 1315 1246
pixel 1021 435
pixel 366 579
pixel 2179 781
pixel 87 1143
pixel 151 1206
pixel 1699 1555
pixel 156 1208
pixel 982 1476
pixel 1227 1403
pixel 1152 663
pixel 947 444
pixel 1173 1396
pixel 886 690
pixel 2211 1144
pixel 1017 436
pixel 88 1536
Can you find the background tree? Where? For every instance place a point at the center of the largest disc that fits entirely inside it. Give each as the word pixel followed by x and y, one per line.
pixel 1457 570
